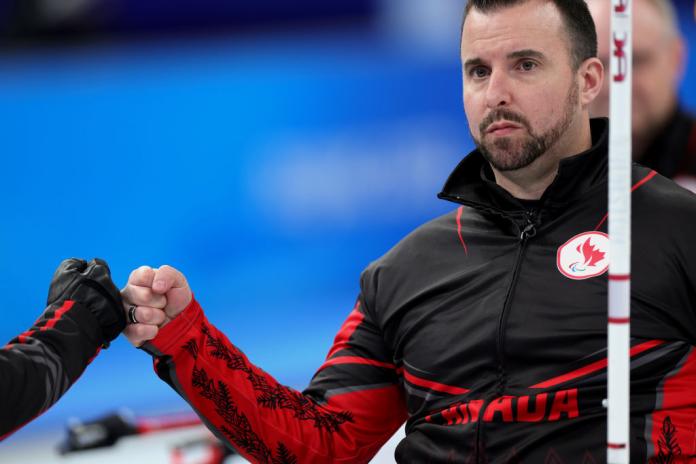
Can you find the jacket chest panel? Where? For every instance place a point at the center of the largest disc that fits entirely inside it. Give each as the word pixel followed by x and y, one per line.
pixel 449 335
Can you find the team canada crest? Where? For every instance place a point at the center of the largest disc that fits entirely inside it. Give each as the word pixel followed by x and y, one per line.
pixel 584 256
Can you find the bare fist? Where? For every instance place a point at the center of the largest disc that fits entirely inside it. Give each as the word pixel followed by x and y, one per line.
pixel 152 298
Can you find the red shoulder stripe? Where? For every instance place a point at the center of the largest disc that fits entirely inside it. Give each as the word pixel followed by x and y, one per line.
pixel 645 179
pixel 635 187
pixel 347 329
pixel 459 229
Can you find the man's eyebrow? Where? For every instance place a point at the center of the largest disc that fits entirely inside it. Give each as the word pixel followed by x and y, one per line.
pixel 473 62
pixel 526 53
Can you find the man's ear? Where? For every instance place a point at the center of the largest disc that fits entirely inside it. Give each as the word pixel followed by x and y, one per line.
pixel 590 76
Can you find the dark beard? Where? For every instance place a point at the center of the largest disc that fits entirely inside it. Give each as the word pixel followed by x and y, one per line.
pixel 533 147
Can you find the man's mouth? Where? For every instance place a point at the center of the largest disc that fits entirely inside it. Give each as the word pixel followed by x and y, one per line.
pixel 502 128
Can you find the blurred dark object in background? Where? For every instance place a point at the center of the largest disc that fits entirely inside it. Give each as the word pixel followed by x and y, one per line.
pixel 31 20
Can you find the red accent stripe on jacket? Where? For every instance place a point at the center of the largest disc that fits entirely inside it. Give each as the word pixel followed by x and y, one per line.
pixel 356 360
pixel 431 385
pixel 595 366
pixel 635 187
pixel 459 229
pixel 676 416
pixel 50 323
pixel 347 329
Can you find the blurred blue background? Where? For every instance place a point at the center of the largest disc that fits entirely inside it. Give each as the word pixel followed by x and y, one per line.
pixel 269 150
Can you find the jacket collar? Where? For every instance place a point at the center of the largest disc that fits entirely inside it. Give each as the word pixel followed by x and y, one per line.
pixel 472 182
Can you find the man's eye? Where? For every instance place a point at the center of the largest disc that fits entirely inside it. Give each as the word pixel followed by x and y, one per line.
pixel 479 72
pixel 527 65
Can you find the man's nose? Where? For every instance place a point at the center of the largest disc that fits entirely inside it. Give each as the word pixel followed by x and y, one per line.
pixel 498 91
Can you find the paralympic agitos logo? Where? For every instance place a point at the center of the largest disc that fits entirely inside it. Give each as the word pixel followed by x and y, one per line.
pixel 584 256
pixel 544 407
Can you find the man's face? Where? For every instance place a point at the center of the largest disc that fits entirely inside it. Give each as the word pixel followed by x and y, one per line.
pixel 520 91
pixel 657 62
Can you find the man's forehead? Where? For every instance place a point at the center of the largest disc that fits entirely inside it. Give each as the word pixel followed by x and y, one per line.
pixel 529 25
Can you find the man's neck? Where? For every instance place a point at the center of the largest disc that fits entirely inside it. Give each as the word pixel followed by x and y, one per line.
pixel 527 183
pixel 530 182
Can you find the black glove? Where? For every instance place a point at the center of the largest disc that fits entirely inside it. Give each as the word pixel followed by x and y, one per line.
pixel 90 285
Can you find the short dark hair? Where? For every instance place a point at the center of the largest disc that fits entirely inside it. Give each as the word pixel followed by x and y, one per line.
pixel 582 35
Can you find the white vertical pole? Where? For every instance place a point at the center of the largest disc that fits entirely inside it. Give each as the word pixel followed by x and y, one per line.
pixel 619 329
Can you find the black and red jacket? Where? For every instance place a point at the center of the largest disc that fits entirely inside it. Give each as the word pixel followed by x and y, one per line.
pixel 485 330
pixel 38 366
pixel 84 313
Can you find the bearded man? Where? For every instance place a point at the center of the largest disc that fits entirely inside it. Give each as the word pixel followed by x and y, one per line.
pixel 484 329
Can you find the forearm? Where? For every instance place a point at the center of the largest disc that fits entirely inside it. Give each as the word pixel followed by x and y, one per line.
pixel 262 419
pixel 38 366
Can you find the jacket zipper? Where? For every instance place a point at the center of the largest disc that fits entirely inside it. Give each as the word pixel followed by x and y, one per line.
pixel 527 231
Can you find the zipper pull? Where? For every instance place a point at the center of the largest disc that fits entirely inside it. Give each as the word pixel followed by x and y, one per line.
pixel 528 231
pixel 530 227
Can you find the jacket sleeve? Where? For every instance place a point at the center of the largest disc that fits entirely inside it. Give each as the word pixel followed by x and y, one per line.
pixel 352 406
pixel 38 366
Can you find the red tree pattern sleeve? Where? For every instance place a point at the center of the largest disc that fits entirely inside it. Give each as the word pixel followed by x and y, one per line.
pixel 351 408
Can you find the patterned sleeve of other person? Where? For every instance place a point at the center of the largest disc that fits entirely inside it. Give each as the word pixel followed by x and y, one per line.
pixel 353 405
pixel 38 366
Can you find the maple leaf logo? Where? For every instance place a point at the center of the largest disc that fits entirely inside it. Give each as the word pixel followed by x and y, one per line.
pixel 591 253
pixel 591 256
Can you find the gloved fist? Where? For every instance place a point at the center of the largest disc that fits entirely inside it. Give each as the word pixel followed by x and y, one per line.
pixel 90 285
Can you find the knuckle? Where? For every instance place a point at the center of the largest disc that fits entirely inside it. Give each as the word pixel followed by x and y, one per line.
pixel 138 330
pixel 157 317
pixel 146 332
pixel 152 332
pixel 150 315
pixel 169 272
pixel 139 293
pixel 157 301
pixel 143 296
pixel 140 272
pixel 144 315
